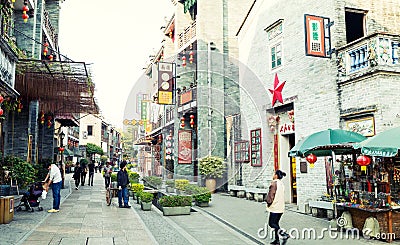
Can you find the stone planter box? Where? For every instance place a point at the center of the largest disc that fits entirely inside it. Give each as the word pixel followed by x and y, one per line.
pixel 145 206
pixel 202 204
pixel 170 211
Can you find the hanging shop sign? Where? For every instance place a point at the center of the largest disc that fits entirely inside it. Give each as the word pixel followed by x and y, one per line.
pixel 186 97
pixel 317 32
pixel 166 83
pixel 185 146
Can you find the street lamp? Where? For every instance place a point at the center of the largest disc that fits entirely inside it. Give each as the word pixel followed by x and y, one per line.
pixel 62 135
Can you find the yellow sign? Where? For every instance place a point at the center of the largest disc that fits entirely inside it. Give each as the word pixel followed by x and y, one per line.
pixel 148 127
pixel 165 97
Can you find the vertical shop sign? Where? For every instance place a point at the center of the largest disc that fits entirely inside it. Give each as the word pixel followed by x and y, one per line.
pixel 185 146
pixel 166 83
pixel 317 34
pixel 276 152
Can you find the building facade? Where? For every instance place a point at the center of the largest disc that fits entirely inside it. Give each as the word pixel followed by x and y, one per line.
pixel 335 65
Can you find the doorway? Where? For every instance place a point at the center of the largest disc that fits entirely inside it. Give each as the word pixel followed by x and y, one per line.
pixel 293 165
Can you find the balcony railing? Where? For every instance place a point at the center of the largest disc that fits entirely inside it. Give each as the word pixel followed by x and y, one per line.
pixel 51 31
pixel 185 37
pixel 374 52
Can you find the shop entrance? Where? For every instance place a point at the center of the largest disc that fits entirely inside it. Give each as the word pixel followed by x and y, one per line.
pixel 293 165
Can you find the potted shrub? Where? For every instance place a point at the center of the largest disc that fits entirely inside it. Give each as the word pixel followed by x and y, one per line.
pixel 152 182
pixel 211 167
pixel 136 188
pixel 170 185
pixel 21 171
pixel 146 200
pixel 180 185
pixel 175 205
pixel 202 196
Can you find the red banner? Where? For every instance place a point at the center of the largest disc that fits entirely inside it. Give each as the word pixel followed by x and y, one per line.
pixel 276 152
pixel 185 146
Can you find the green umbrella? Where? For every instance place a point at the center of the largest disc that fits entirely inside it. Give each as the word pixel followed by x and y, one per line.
pixel 322 143
pixel 385 144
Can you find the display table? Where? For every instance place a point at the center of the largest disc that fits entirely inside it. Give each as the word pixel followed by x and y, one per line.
pixel 388 218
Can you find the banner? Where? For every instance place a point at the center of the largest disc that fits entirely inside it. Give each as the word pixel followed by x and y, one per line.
pixel 185 146
pixel 166 83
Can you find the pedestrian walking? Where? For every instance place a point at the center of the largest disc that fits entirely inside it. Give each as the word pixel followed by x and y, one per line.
pixel 83 173
pixel 91 173
pixel 55 180
pixel 77 175
pixel 123 181
pixel 107 174
pixel 276 206
pixel 96 167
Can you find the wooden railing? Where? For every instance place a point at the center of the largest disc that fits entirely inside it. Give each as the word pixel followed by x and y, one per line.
pixel 51 31
pixel 185 37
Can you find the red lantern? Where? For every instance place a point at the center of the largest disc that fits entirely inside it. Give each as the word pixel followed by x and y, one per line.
pixel 191 121
pixel 1 99
pixel 182 122
pixel 45 50
pixel 49 123
pixel 191 53
pixel 61 149
pixel 50 57
pixel 25 8
pixel 1 111
pixel 42 117
pixel 312 158
pixel 363 161
pixel 25 17
pixel 184 61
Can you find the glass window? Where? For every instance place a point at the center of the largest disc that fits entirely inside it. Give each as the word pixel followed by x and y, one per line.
pixel 256 148
pixel 276 56
pixel 90 130
pixel 242 151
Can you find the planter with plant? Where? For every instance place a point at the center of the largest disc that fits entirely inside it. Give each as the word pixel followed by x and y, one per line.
pixel 22 172
pixel 211 167
pixel 169 186
pixel 175 205
pixel 202 196
pixel 146 200
pixel 152 182
pixel 136 188
pixel 180 185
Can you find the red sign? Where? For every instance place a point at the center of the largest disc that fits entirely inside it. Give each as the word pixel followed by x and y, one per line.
pixel 186 97
pixel 185 146
pixel 276 152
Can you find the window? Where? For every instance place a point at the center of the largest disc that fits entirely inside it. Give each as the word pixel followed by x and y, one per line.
pixel 89 130
pixel 355 24
pixel 256 149
pixel 276 56
pixel 242 151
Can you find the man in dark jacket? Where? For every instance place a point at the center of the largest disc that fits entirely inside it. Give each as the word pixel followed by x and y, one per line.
pixel 123 181
pixel 77 175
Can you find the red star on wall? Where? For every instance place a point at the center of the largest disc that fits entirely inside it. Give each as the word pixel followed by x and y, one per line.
pixel 277 90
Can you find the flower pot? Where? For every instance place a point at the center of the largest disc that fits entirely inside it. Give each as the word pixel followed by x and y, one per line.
pixel 170 211
pixel 145 206
pixel 202 204
pixel 211 184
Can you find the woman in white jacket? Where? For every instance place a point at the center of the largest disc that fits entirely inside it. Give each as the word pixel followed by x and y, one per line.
pixel 276 205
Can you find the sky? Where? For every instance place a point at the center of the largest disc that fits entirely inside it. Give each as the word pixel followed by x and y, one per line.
pixel 115 39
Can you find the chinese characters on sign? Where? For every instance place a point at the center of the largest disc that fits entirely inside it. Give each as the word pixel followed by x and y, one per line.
pixel 317 35
pixel 185 146
pixel 166 83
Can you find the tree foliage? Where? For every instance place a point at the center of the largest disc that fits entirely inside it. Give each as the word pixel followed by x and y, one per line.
pixel 92 149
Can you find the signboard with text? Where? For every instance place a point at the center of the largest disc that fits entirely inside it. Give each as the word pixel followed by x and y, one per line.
pixel 166 83
pixel 185 146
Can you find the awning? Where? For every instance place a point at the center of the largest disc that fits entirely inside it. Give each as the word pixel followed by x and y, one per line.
pixel 67 120
pixel 68 153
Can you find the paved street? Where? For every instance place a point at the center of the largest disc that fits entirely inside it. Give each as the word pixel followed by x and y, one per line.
pixel 84 218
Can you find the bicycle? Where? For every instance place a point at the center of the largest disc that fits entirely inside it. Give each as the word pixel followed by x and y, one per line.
pixel 110 193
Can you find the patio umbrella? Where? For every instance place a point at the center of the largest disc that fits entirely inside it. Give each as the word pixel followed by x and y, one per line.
pixel 385 144
pixel 323 143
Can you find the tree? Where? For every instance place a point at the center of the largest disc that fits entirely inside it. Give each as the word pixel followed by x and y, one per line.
pixel 92 149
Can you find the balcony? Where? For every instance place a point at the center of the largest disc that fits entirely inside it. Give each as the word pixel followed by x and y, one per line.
pixel 50 31
pixel 371 54
pixel 186 37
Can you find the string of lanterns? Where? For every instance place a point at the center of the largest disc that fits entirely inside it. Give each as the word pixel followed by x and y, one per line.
pixel 25 9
